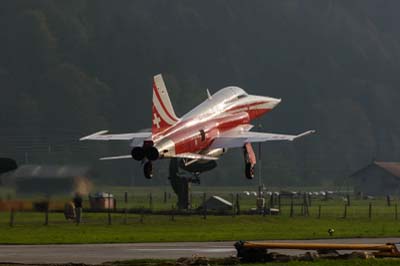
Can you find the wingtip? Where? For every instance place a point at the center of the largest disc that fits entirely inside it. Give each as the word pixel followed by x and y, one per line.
pixel 93 135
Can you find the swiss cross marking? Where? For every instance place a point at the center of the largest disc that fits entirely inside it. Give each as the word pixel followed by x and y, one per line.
pixel 156 120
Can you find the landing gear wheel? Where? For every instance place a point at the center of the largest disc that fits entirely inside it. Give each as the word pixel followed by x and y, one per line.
pixel 148 170
pixel 249 171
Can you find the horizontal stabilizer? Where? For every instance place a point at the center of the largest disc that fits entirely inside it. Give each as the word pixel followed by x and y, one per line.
pixel 101 135
pixel 94 135
pixel 196 156
pixel 121 157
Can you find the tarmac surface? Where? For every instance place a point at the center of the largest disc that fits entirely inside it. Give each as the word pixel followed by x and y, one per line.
pixel 99 253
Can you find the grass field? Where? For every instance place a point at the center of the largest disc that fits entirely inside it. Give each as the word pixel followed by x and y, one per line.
pixel 162 198
pixel 370 262
pixel 29 228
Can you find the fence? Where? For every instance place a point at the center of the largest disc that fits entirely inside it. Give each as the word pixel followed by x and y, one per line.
pixel 134 208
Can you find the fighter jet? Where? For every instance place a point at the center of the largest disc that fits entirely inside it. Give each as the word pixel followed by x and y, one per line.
pixel 202 135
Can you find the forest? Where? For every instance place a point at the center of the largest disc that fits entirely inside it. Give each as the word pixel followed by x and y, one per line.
pixel 71 68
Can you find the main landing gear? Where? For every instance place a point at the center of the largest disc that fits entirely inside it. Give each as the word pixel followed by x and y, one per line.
pixel 147 154
pixel 249 160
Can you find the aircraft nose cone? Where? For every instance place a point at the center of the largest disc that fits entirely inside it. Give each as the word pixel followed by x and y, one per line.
pixel 277 101
pixel 274 101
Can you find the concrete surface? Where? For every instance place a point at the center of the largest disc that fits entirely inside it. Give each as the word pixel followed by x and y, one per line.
pixel 99 253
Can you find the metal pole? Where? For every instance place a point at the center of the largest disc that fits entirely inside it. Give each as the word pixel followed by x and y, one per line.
pixel 259 165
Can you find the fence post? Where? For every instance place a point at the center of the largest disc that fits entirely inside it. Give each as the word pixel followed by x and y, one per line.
pixel 291 207
pixel 237 204
pixel 109 218
pixel 126 197
pixel 142 215
pixel 264 209
pixel 370 211
pixel 172 213
pixel 233 205
pixel 150 201
pixel 271 201
pixel 388 200
pixel 204 206
pixel 348 200
pixel 279 202
pixel 345 212
pixel 319 211
pixel 109 210
pixel 11 217
pixel 190 201
pixel 126 216
pixel 46 215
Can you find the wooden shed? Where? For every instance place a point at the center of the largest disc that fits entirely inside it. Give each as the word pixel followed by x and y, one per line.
pixel 378 179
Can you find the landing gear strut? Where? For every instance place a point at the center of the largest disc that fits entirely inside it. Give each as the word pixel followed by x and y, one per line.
pixel 249 171
pixel 249 160
pixel 148 170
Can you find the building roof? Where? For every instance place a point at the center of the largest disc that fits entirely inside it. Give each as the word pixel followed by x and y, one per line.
pixel 391 167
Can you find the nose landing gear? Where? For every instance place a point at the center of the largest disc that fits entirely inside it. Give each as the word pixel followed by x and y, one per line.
pixel 249 171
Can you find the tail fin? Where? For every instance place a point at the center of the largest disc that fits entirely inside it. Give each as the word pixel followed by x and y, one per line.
pixel 163 112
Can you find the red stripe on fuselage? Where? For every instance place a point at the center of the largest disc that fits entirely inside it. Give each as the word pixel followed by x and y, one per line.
pixel 189 139
pixel 155 89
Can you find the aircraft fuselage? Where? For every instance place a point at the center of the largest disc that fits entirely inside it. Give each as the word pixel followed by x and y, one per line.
pixel 225 110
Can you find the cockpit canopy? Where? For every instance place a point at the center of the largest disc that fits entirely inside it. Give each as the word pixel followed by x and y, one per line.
pixel 217 102
pixel 229 94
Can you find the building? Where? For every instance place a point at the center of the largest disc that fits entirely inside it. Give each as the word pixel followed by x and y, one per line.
pixel 50 179
pixel 378 179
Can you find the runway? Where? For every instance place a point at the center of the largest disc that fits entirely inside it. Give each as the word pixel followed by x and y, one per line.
pixel 99 253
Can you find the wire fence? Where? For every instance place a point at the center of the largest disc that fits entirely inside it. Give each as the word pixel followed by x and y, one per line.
pixel 132 208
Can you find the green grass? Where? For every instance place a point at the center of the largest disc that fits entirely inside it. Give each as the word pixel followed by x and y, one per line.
pixel 353 262
pixel 358 262
pixel 29 228
pixel 322 262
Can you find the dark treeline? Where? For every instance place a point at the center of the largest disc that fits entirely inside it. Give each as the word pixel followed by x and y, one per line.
pixel 69 68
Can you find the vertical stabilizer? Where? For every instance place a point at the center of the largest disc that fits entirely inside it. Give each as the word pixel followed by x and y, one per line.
pixel 163 113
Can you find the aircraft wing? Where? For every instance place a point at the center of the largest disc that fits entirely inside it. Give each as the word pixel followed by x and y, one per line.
pixel 195 156
pixel 102 135
pixel 234 139
pixel 120 157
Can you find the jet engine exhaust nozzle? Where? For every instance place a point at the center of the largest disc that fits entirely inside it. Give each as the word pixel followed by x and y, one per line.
pixel 152 153
pixel 138 153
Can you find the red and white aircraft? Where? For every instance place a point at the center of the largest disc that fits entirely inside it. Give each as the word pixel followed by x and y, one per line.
pixel 203 134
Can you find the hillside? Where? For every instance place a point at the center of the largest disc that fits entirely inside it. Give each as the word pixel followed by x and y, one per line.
pixel 69 68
